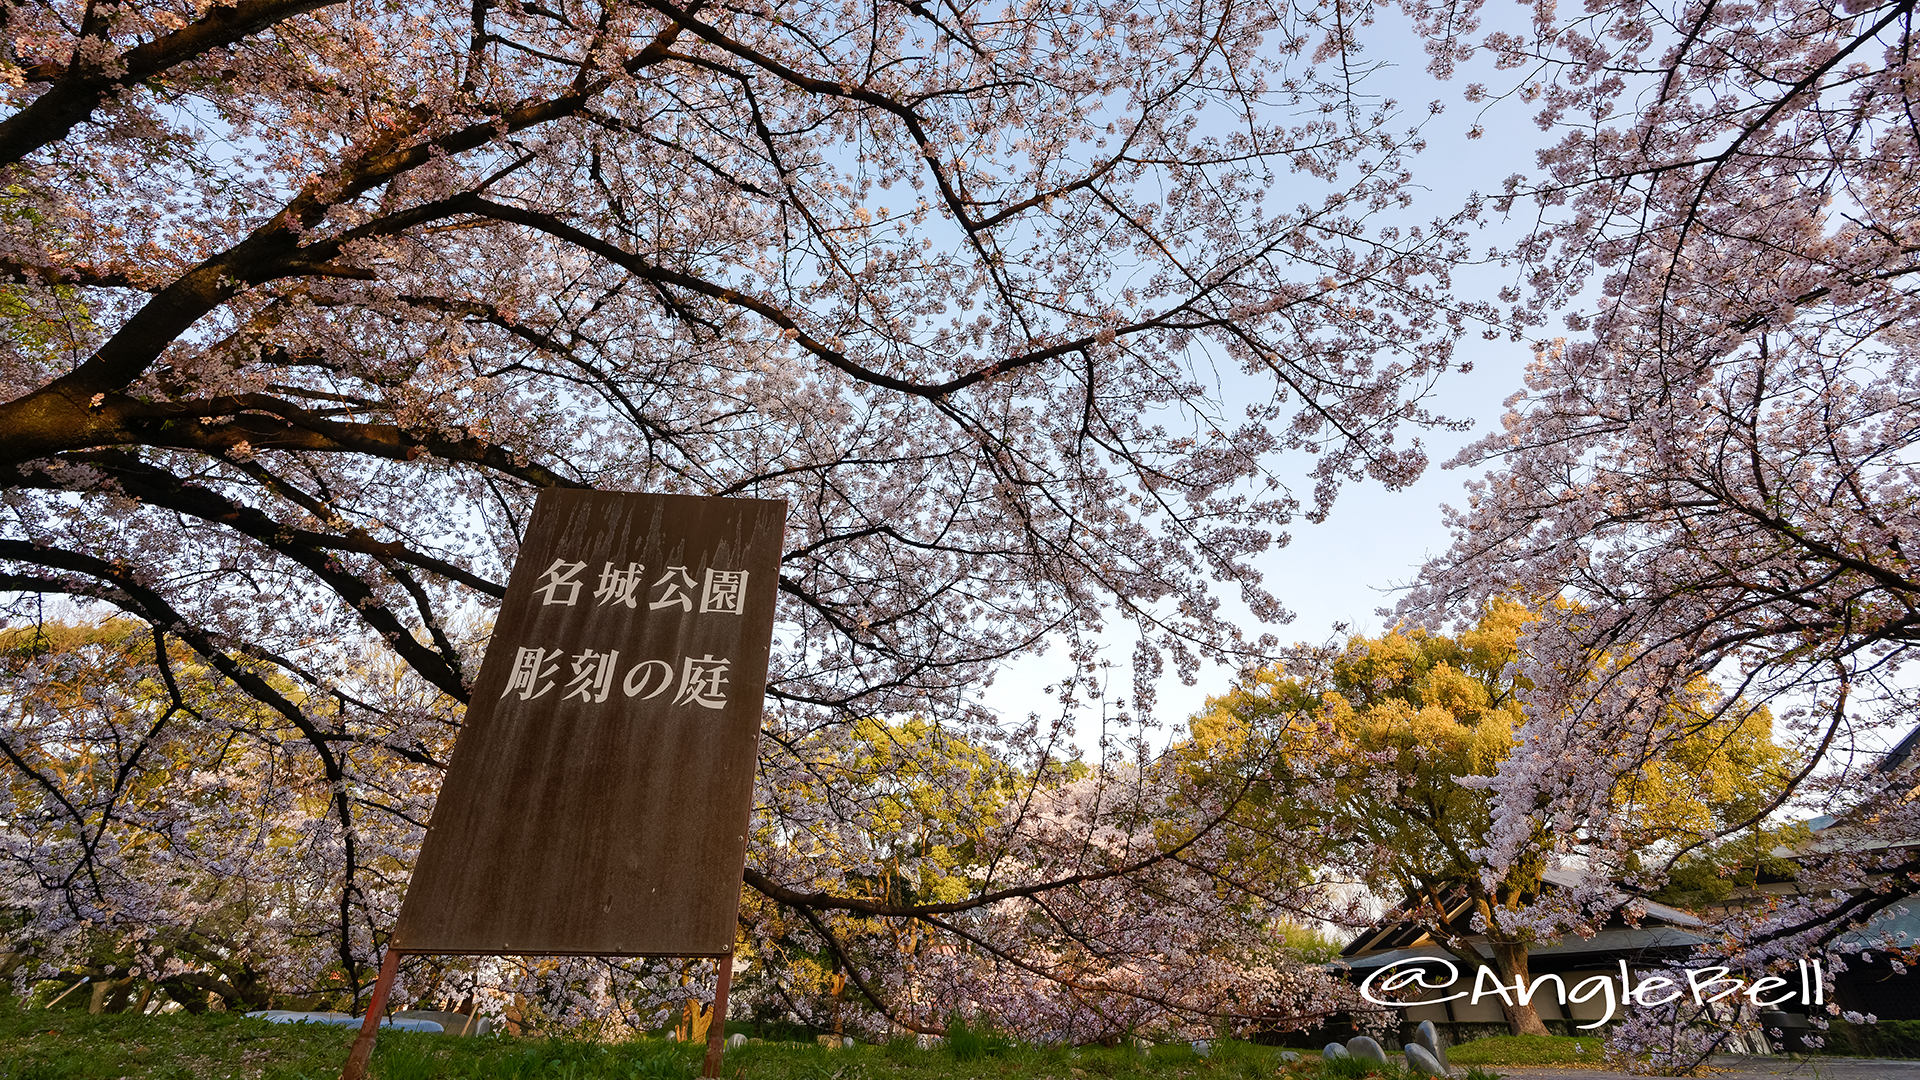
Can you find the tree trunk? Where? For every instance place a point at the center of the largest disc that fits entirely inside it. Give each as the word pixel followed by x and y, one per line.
pixel 1510 961
pixel 192 997
pixel 110 995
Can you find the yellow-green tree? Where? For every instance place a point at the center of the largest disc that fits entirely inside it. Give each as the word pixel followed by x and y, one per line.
pixel 886 813
pixel 1370 741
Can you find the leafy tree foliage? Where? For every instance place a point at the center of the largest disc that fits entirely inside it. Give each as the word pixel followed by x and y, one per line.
pixel 1397 736
pixel 1712 873
pixel 1104 955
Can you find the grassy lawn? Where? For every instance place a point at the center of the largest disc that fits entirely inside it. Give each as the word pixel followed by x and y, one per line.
pixel 54 1045
pixel 72 1045
pixel 1529 1050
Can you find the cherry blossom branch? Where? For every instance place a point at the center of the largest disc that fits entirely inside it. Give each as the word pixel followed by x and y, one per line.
pixel 77 89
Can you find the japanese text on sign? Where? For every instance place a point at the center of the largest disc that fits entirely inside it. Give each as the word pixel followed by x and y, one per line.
pixel 702 681
pixel 722 592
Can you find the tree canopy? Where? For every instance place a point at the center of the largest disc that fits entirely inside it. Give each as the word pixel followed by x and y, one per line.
pixel 1384 750
pixel 308 299
pixel 1715 462
pixel 1045 321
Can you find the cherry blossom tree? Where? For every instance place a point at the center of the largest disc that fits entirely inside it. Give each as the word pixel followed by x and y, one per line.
pixel 1071 903
pixel 1715 462
pixel 1019 309
pixel 164 831
pixel 1183 941
pixel 1394 737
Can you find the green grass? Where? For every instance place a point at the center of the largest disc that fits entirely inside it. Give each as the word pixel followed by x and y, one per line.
pixel 973 1041
pixel 72 1045
pixel 68 1044
pixel 1529 1050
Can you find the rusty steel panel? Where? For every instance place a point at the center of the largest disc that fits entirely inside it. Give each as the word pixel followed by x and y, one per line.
pixel 598 797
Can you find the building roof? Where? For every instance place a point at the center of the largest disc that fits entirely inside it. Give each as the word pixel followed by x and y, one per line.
pixel 1606 944
pixel 1406 939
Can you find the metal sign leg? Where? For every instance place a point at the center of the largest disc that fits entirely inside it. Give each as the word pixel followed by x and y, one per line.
pixel 370 1027
pixel 716 1028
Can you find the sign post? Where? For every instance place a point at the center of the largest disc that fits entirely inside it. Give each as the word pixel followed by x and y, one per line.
pixel 598 798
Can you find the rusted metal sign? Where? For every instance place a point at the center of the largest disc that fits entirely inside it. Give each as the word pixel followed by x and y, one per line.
pixel 598 798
